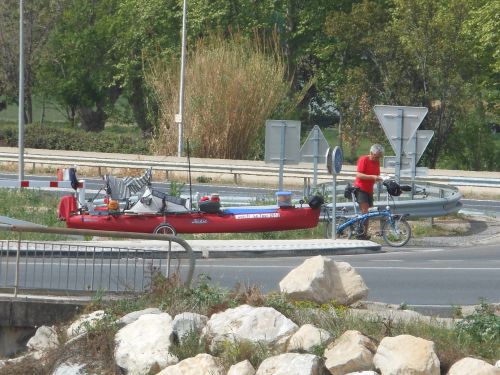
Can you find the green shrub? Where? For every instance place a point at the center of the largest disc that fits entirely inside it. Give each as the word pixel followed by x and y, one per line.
pixel 58 137
pixel 482 326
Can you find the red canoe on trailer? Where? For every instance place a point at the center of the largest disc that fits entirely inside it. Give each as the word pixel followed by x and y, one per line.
pixel 230 220
pixel 156 212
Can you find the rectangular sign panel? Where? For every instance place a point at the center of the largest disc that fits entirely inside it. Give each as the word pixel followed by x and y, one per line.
pixel 282 142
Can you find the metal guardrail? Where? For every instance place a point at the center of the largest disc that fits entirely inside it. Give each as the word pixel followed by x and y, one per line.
pixel 222 167
pixel 427 200
pixel 84 267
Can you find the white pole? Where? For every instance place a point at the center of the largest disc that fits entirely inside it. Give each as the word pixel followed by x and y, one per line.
pixel 180 115
pixel 21 94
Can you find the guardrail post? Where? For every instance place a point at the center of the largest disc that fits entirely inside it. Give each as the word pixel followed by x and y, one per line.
pixel 236 178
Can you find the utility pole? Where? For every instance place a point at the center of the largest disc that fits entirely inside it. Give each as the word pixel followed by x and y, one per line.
pixel 21 94
pixel 179 118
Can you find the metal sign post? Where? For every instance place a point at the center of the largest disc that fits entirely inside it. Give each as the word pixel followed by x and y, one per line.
pixel 314 149
pixel 286 134
pixel 334 160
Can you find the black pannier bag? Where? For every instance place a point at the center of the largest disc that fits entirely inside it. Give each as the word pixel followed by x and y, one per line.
pixel 316 201
pixel 348 191
pixel 393 188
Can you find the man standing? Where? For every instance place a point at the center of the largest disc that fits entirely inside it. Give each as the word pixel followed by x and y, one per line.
pixel 367 173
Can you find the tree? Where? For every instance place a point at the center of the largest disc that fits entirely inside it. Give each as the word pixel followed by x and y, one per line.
pixel 79 66
pixel 357 69
pixel 482 27
pixel 430 34
pixel 40 17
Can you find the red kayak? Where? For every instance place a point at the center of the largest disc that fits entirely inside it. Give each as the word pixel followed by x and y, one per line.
pixel 229 220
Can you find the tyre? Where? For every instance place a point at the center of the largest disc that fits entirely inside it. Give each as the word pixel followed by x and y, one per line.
pixel 165 229
pixel 396 234
pixel 339 220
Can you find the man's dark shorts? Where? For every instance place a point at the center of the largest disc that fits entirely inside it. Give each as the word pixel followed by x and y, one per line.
pixel 364 197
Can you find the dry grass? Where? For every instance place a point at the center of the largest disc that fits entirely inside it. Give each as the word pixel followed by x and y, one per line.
pixel 232 86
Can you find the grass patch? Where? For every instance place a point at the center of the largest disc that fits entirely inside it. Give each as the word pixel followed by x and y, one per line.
pixel 36 206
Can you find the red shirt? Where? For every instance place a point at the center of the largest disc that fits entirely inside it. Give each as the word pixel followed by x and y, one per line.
pixel 367 166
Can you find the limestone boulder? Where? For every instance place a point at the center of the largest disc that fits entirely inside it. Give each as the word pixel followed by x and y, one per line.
pixel 69 368
pixel 84 323
pixel 406 354
pixel 188 322
pixel 349 353
pixel 133 316
pixel 247 323
pixel 291 364
pixel 307 337
pixel 242 368
pixel 202 364
pixel 321 279
pixel 44 339
pixel 467 366
pixel 144 345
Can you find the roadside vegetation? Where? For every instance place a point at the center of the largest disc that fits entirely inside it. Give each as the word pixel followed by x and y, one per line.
pixel 476 335
pixel 92 64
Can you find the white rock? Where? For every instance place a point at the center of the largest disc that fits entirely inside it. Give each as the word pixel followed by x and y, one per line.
pixel 256 324
pixel 133 316
pixel 188 322
pixel 497 364
pixel 291 364
pixel 85 322
pixel 242 368
pixel 45 338
pixel 70 369
pixel 467 366
pixel 307 337
pixel 363 373
pixel 406 354
pixel 350 352
pixel 322 280
pixel 144 344
pixel 202 364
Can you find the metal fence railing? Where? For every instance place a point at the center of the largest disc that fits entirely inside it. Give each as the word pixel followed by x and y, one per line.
pixel 87 266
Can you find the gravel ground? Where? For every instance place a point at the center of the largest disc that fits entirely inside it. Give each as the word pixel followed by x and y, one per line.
pixel 477 230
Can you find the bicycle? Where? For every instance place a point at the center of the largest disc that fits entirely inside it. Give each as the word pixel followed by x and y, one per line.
pixel 394 229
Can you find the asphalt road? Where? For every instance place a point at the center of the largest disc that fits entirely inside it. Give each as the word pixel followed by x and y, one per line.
pixel 429 276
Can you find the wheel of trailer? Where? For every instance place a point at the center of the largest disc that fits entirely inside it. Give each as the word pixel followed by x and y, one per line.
pixel 165 229
pixel 396 234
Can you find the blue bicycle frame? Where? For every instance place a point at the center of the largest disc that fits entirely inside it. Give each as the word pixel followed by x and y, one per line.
pixel 362 218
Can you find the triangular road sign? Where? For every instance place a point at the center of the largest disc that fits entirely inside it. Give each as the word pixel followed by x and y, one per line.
pixel 390 118
pixel 307 150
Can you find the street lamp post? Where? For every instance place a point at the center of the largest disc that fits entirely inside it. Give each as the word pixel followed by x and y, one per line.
pixel 180 116
pixel 21 94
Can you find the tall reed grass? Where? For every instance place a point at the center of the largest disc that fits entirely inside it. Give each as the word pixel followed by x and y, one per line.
pixel 232 85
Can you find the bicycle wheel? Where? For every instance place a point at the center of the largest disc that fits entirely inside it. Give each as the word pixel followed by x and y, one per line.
pixel 339 220
pixel 397 233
